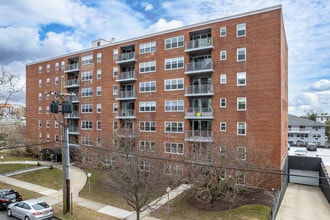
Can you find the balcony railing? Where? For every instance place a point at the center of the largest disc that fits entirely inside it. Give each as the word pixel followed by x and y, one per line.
pixel 299 130
pixel 126 132
pixel 126 76
pixel 205 66
pixel 72 83
pixel 126 95
pixel 199 90
pixel 73 130
pixel 199 136
pixel 199 113
pixel 73 98
pixel 126 114
pixel 72 67
pixel 126 58
pixel 200 44
pixel 74 114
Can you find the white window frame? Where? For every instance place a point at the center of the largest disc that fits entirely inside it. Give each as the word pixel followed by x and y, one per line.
pixel 223 55
pixel 99 74
pixel 48 82
pixel 99 57
pixel 241 30
pixel 149 146
pixel 47 124
pixel 115 107
pixel 174 84
pixel 39 123
pixel 40 110
pixel 174 63
pixel 174 126
pixel 223 126
pixel 56 66
pixel 149 47
pixel 174 42
pixel 241 153
pixel 174 148
pixel 48 110
pixel 98 91
pixel 223 102
pixel 149 106
pixel 241 128
pixel 62 65
pixel 87 92
pixel 240 77
pixel 115 125
pixel 174 106
pixel 149 86
pixel 115 71
pixel 40 69
pixel 98 107
pixel 147 126
pixel 98 125
pixel 40 96
pixel 223 78
pixel 240 52
pixel 147 67
pixel 48 68
pixel 115 54
pixel 87 125
pixel 115 90
pixel 145 166
pixel 240 178
pixel 40 83
pixel 85 60
pixel 87 108
pixel 239 101
pixel 85 76
pixel 223 32
pixel 56 81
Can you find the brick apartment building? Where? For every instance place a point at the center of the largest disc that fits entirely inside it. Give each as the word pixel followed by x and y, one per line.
pixel 179 88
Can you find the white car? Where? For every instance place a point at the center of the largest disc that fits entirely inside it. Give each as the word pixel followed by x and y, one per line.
pixel 31 209
pixel 300 152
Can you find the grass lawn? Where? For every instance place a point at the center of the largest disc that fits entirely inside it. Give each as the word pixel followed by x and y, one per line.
pixel 6 168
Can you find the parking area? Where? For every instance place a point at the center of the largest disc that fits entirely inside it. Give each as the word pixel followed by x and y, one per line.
pixel 324 153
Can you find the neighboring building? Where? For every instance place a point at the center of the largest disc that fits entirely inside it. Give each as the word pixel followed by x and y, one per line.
pixel 303 131
pixel 323 118
pixel 180 89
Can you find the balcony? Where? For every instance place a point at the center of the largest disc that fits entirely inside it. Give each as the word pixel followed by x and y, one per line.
pixel 126 132
pixel 199 90
pixel 199 136
pixel 126 95
pixel 199 45
pixel 72 68
pixel 205 66
pixel 73 99
pixel 298 131
pixel 126 114
pixel 126 58
pixel 73 130
pixel 72 115
pixel 126 76
pixel 71 83
pixel 199 113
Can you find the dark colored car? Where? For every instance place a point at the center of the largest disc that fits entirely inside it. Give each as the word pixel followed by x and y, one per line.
pixel 311 147
pixel 8 196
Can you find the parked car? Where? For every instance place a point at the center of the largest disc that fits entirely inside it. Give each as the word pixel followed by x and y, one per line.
pixel 30 209
pixel 8 196
pixel 300 152
pixel 311 147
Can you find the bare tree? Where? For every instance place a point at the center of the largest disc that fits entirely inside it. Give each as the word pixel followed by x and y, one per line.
pixel 9 86
pixel 12 134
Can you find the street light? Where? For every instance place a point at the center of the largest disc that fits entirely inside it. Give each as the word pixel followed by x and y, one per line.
pixel 168 189
pixel 89 181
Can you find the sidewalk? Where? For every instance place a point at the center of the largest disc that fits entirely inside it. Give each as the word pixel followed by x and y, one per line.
pixel 78 180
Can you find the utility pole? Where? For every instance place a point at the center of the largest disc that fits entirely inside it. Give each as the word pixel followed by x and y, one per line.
pixel 66 108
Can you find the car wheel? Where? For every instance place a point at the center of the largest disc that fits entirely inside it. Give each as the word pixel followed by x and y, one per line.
pixel 9 212
pixel 26 218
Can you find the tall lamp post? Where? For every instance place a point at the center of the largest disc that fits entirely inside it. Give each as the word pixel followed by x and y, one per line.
pixel 66 108
pixel 168 190
pixel 89 182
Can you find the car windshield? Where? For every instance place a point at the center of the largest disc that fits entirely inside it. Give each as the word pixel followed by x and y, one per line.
pixel 40 205
pixel 10 196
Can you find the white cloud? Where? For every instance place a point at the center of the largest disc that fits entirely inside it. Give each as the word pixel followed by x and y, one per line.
pixel 162 24
pixel 147 6
pixel 320 85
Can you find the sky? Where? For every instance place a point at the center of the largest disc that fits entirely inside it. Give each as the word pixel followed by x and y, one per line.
pixel 32 30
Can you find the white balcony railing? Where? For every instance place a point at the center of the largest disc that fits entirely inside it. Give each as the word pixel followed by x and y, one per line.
pixel 200 136
pixel 72 67
pixel 126 113
pixel 126 95
pixel 199 67
pixel 126 76
pixel 199 113
pixel 199 44
pixel 204 89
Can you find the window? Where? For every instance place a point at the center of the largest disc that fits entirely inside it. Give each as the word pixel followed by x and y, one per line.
pixel 222 103
pixel 223 150
pixel 99 57
pixel 86 76
pixel 87 60
pixel 56 66
pixel 241 153
pixel 173 148
pixel 173 169
pixel 174 63
pixel 40 96
pixel 240 178
pixel 174 84
pixel 223 31
pixel 87 108
pixel 87 125
pixel 174 106
pixel 47 138
pixel 223 126
pixel 241 128
pixel 99 125
pixel 56 80
pixel 47 109
pixel 147 146
pixel 173 127
pixel 98 108
pixel 99 91
pixel 241 30
pixel 47 123
pixel 147 67
pixel 85 92
pixel 63 65
pixel 115 107
pixel 147 86
pixel 241 103
pixel 147 126
pixel 39 123
pixel 99 142
pixel 40 136
pixel 48 97
pixel 241 54
pixel 56 124
pixel 40 83
pixel 57 139
pixel 48 68
pixel 99 74
pixel 115 71
pixel 40 69
pixel 241 79
pixel 48 82
pixel 115 125
pixel 115 54
pixel 145 166
pixel 223 79
pixel 223 55
pixel 147 106
pixel 222 173
pixel 148 47
pixel 174 42
pixel 115 90
pixel 87 141
pixel 40 110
